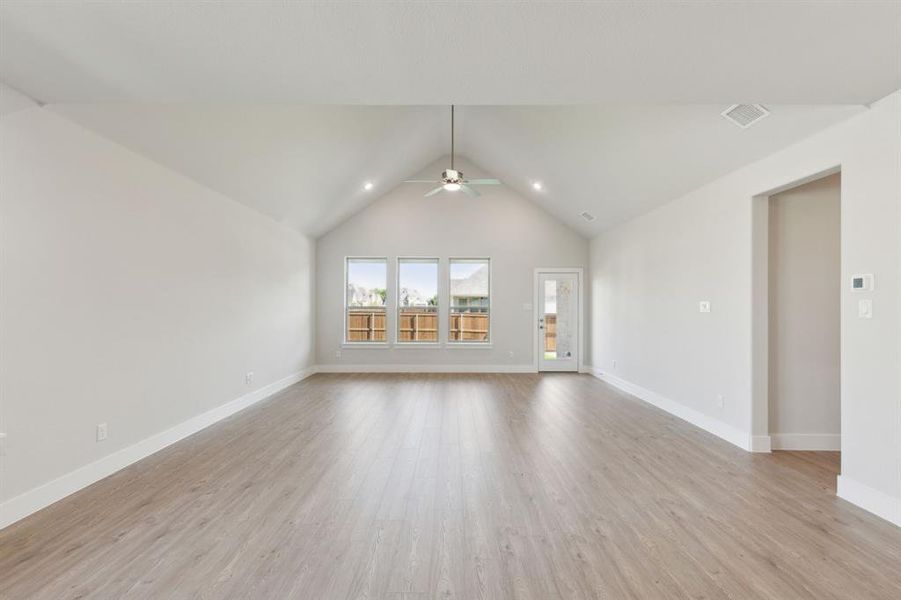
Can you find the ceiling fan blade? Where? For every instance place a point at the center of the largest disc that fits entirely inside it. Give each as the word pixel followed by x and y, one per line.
pixel 433 192
pixel 484 181
pixel 421 181
pixel 469 191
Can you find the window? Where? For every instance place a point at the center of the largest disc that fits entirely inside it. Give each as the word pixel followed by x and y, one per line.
pixel 417 300
pixel 366 284
pixel 470 291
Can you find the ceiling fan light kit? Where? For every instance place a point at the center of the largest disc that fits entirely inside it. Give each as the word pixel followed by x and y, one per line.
pixel 451 179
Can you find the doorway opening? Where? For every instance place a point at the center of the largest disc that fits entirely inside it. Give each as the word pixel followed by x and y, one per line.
pixel 797 318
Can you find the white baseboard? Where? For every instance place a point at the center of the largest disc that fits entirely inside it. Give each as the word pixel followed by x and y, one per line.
pixel 806 441
pixel 761 443
pixel 725 431
pixel 35 499
pixel 870 499
pixel 442 368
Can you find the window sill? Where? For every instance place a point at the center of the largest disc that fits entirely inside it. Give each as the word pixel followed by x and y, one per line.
pixel 415 345
pixel 353 345
pixel 469 345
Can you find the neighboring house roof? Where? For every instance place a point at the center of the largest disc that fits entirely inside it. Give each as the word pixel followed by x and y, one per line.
pixel 474 286
pixel 358 295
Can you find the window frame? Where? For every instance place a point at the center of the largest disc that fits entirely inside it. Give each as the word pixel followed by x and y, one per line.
pixel 450 307
pixel 397 306
pixel 344 316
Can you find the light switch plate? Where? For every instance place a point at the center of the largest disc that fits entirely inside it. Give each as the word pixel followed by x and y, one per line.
pixel 704 306
pixel 865 309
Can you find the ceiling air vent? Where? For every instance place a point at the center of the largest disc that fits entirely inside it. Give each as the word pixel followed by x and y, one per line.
pixel 745 115
pixel 587 216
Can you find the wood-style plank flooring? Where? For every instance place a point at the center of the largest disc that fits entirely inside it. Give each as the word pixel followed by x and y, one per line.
pixel 456 486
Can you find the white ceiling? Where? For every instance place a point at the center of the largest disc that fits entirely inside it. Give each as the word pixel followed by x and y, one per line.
pixel 305 166
pixel 619 162
pixel 262 101
pixel 649 52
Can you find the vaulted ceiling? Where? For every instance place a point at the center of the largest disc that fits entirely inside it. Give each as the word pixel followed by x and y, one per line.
pixel 306 166
pixel 613 106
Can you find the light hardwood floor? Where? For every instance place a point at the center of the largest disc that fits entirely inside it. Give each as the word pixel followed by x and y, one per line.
pixel 456 486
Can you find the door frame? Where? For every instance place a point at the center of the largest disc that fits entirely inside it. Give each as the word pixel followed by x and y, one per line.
pixel 580 300
pixel 760 439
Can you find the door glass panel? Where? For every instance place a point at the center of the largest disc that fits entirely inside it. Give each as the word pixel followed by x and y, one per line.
pixel 550 319
pixel 558 319
pixel 565 318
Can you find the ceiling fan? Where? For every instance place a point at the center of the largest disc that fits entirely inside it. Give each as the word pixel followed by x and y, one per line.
pixel 451 179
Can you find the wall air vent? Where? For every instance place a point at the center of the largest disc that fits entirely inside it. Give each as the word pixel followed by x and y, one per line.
pixel 587 216
pixel 745 115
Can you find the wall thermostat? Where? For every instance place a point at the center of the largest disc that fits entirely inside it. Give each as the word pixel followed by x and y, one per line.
pixel 862 282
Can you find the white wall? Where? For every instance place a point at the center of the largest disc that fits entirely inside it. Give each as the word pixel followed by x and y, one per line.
pixel 805 316
pixel 130 295
pixel 649 274
pixel 517 236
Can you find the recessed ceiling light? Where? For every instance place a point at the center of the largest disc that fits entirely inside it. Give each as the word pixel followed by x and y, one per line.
pixel 368 186
pixel 537 186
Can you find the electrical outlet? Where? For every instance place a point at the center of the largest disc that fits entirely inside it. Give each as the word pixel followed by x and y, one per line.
pixel 248 379
pixel 704 306
pixel 102 432
pixel 865 309
pixel 510 353
pixel 337 354
pixel 720 401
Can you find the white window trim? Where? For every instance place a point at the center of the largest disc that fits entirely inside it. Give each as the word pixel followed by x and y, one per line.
pixel 414 345
pixel 469 344
pixel 344 341
pixel 411 344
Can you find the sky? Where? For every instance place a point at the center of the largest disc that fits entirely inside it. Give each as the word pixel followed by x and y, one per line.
pixel 419 276
pixel 369 275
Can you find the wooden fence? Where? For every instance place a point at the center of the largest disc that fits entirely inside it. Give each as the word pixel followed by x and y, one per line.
pixel 417 325
pixel 468 327
pixel 550 333
pixel 421 325
pixel 366 325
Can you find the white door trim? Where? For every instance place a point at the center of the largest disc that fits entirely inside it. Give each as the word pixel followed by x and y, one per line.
pixel 760 308
pixel 536 304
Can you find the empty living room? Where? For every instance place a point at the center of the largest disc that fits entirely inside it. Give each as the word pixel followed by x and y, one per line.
pixel 441 299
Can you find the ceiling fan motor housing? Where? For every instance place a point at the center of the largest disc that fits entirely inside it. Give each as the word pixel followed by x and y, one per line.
pixel 452 176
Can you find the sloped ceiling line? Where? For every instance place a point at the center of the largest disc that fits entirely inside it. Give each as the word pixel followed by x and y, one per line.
pixel 305 166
